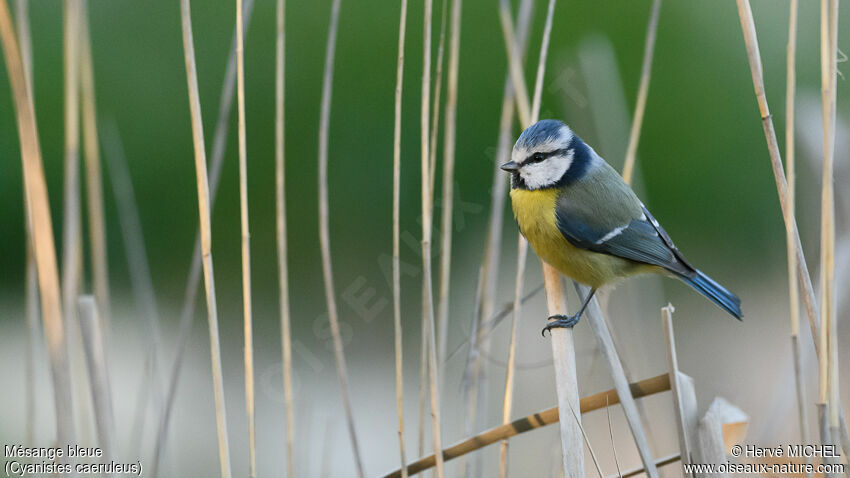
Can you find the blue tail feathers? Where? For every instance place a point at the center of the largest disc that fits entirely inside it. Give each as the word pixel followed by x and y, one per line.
pixel 717 293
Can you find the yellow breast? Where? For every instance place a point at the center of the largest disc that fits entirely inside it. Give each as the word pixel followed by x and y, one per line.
pixel 535 214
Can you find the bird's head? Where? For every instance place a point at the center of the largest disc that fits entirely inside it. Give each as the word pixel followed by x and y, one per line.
pixel 541 156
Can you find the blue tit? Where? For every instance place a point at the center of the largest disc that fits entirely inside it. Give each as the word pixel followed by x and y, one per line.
pixel 582 218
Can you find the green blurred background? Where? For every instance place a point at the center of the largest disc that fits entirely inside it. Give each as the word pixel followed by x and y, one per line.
pixel 702 161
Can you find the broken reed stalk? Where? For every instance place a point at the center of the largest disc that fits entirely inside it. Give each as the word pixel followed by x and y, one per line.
pixel 427 224
pixel 324 233
pixel 94 178
pixel 609 351
pixel 399 370
pixel 187 314
pixel 791 178
pixel 566 377
pixel 280 222
pixel 643 388
pixel 93 345
pixel 435 108
pixel 643 92
pixel 206 235
pixel 41 237
pixel 247 315
pixel 32 312
pixel 522 253
pixel 804 279
pixel 829 344
pixel 449 148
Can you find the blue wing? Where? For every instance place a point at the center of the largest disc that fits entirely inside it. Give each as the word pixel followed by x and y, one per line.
pixel 641 239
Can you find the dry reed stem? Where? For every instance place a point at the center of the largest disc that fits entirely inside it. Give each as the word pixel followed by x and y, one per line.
pixel 187 314
pixel 42 229
pixel 247 315
pixel 541 63
pixel 71 214
pixel 141 282
pixel 805 283
pixel 754 57
pixel 791 177
pixel 609 351
pixel 514 63
pixel 522 248
pixel 683 417
pixel 206 235
pixel 449 148
pixel 435 103
pixel 829 346
pixel 563 349
pixel 399 370
pixel 490 264
pixel 280 221
pixel 643 388
pixel 611 435
pixel 32 312
pixel 566 379
pixel 643 92
pixel 522 252
pixel 324 233
pixel 101 392
pixel 427 223
pixel 94 178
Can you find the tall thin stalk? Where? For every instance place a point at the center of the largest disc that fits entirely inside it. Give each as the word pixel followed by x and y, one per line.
pixel 101 392
pixel 141 282
pixel 32 311
pixel 803 277
pixel 489 276
pixel 514 62
pixel 206 235
pixel 522 253
pixel 522 248
pixel 829 347
pixel 94 186
pixel 791 177
pixel 643 92
pixel 247 316
pixel 399 370
pixel 71 215
pixel 449 147
pixel 41 237
pixel 324 233
pixel 282 261
pixel 427 223
pixel 187 313
pixel 563 348
pixel 435 113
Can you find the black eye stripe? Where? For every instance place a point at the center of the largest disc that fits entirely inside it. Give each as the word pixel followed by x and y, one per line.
pixel 542 156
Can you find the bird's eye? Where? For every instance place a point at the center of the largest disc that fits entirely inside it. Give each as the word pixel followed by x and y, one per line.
pixel 537 157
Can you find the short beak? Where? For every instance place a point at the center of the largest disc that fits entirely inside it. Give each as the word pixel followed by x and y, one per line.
pixel 510 167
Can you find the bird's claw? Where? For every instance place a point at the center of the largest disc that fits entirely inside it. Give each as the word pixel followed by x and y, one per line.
pixel 560 322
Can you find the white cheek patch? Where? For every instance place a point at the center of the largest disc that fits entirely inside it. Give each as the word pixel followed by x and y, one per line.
pixel 546 173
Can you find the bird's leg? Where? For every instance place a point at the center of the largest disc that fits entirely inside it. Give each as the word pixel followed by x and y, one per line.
pixel 567 321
